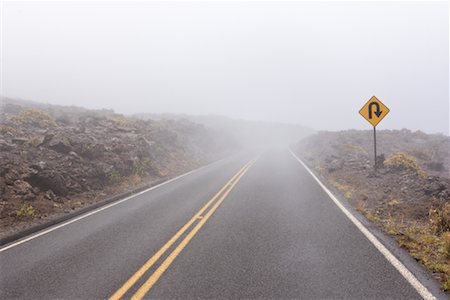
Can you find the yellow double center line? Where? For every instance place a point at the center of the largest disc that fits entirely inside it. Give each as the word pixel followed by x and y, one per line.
pixel 148 284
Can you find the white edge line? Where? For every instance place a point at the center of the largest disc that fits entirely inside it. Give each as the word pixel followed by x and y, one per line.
pixel 413 281
pixel 220 1
pixel 41 233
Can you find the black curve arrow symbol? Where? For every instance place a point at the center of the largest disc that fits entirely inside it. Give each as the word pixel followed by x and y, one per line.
pixel 378 112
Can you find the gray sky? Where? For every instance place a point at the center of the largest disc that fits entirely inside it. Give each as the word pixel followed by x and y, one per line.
pixel 313 63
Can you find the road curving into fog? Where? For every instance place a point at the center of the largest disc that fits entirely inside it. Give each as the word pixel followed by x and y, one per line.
pixel 255 225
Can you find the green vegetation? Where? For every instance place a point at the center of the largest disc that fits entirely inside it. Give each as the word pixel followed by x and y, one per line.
pixel 114 176
pixel 446 285
pixel 33 142
pixel 141 167
pixel 27 210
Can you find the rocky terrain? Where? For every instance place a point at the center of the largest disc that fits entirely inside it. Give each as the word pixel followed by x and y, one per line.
pixel 55 159
pixel 408 196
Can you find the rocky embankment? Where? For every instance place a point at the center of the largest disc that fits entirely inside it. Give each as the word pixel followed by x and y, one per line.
pixel 55 159
pixel 409 194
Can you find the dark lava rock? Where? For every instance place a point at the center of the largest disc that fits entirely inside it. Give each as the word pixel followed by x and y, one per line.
pixel 90 151
pixel 434 186
pixel 48 180
pixel 435 166
pixel 60 143
pixel 5 146
pixel 19 140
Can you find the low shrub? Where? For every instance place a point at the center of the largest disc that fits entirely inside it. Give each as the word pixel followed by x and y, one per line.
pixel 27 210
pixel 114 176
pixel 440 218
pixel 446 238
pixel 403 161
pixel 122 121
pixel 34 117
pixel 141 167
pixel 33 142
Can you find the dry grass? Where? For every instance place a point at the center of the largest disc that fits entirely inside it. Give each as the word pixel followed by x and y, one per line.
pixel 421 240
pixel 34 117
pixel 142 166
pixel 354 148
pixel 5 129
pixel 122 121
pixel 404 161
pixel 440 218
pixel 428 248
pixel 361 207
pixel 134 180
pixel 428 241
pixel 34 141
pixel 345 189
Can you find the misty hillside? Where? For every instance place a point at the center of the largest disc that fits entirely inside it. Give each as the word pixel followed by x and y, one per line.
pixel 432 151
pixel 57 158
pixel 247 133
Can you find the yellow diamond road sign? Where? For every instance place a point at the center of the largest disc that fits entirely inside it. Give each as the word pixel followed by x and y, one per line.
pixel 374 111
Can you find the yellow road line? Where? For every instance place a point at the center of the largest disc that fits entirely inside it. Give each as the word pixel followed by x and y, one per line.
pixel 149 263
pixel 143 290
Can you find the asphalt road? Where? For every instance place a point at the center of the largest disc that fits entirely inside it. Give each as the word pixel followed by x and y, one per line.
pixel 269 232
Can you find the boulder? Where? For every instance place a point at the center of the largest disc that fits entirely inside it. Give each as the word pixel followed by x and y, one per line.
pixel 22 187
pixel 60 143
pixel 92 151
pixel 24 190
pixel 39 166
pixel 48 180
pixel 434 186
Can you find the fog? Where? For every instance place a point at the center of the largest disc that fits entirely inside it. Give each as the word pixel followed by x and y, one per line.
pixel 309 63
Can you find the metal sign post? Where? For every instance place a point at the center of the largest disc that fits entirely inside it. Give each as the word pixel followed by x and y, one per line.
pixel 375 147
pixel 374 111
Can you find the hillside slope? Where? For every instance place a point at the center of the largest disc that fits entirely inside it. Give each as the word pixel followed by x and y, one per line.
pixel 56 159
